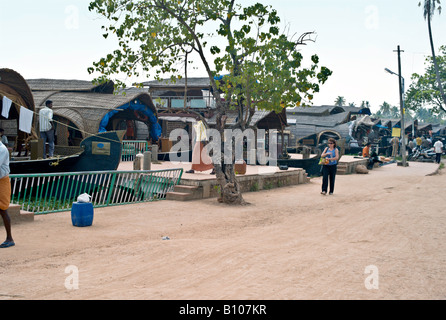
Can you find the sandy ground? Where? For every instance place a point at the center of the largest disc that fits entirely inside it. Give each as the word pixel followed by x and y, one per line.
pixel 380 236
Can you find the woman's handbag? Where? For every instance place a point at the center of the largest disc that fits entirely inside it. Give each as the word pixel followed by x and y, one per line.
pixel 323 161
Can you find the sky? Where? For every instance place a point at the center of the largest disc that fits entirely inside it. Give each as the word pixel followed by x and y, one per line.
pixel 356 39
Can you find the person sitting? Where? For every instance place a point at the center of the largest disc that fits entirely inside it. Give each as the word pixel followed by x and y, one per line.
pixel 372 160
pixel 366 150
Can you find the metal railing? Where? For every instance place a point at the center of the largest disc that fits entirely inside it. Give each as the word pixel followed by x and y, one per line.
pixel 130 148
pixel 56 192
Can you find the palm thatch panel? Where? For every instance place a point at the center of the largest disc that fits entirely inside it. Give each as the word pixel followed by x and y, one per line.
pixel 41 96
pixel 69 85
pixel 321 121
pixel 73 116
pixel 14 86
pixel 87 109
pixel 262 119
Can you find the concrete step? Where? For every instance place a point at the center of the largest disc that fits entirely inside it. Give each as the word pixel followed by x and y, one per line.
pixel 179 196
pixel 342 168
pixel 196 191
pixel 185 193
pixel 17 215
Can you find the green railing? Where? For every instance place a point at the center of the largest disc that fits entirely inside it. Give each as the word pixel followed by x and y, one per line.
pixel 130 148
pixel 55 192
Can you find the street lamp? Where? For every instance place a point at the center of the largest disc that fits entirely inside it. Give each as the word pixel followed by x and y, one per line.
pixel 403 126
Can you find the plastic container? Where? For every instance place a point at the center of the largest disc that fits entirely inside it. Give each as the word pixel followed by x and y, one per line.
pixel 82 214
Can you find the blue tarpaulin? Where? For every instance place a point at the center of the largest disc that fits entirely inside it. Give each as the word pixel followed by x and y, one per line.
pixel 155 128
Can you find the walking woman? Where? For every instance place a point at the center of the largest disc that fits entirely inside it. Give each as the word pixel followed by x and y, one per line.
pixel 329 170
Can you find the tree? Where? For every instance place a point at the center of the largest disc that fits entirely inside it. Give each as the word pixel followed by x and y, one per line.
pixel 365 104
pixel 429 10
pixel 387 111
pixel 340 101
pixel 262 66
pixel 384 110
pixel 424 91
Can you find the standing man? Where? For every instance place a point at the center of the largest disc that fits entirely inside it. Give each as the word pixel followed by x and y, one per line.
pixel 438 146
pixel 4 138
pixel 46 127
pixel 5 195
pixel 419 141
pixel 395 144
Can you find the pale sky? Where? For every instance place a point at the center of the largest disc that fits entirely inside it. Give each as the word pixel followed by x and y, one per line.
pixel 356 39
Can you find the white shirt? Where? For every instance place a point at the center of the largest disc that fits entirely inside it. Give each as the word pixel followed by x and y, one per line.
pixel 5 140
pixel 4 161
pixel 45 116
pixel 438 147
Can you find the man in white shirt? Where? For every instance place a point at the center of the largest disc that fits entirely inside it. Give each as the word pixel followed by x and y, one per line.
pixel 46 128
pixel 5 195
pixel 4 138
pixel 438 146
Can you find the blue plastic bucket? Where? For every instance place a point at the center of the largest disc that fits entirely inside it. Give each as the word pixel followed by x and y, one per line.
pixel 82 214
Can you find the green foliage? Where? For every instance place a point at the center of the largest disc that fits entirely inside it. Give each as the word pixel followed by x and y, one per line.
pixel 261 66
pixel 424 90
pixel 429 7
pixel 254 187
pixel 340 101
pixel 388 111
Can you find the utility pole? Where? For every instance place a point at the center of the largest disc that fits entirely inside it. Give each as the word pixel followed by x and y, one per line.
pixel 403 126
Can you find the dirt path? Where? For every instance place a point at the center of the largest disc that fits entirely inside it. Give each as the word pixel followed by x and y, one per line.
pixel 290 243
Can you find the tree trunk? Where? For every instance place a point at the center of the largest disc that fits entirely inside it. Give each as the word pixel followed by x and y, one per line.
pixel 230 192
pixel 437 72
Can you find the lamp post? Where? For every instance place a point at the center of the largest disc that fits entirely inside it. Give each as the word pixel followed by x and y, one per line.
pixel 403 126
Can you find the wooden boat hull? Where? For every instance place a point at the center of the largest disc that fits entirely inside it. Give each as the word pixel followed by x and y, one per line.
pixel 310 165
pixel 101 152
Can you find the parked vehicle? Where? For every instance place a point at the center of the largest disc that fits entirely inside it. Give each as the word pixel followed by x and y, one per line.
pixel 422 155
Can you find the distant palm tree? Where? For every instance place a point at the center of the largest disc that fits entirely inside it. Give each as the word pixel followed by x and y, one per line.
pixel 429 10
pixel 340 101
pixel 385 109
pixel 365 104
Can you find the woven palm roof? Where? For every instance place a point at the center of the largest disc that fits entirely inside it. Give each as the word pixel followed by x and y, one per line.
pixel 87 109
pixel 304 130
pixel 315 110
pixel 69 85
pixel 327 110
pixel 14 86
pixel 325 121
pixel 259 115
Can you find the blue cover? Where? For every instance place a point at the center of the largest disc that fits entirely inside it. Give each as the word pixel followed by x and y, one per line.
pixel 155 128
